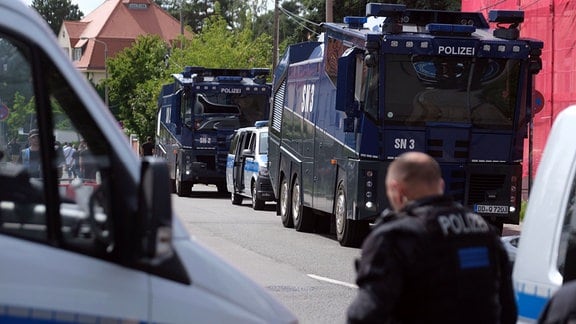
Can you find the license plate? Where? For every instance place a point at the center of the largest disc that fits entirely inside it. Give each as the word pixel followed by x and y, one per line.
pixel 491 209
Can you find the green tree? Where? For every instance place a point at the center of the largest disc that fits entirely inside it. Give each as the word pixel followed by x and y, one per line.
pixel 133 73
pixel 218 46
pixel 22 113
pixel 195 13
pixel 56 11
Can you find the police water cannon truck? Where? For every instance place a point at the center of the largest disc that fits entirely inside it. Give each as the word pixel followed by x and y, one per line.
pixel 197 116
pixel 399 80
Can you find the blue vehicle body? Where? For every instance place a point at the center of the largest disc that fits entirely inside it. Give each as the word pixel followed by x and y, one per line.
pixel 197 116
pixel 416 80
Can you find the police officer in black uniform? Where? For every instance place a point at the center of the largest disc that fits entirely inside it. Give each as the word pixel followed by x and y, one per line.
pixel 431 260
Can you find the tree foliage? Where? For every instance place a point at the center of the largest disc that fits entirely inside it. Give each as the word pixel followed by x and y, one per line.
pixel 56 11
pixel 21 113
pixel 220 47
pixel 195 14
pixel 132 74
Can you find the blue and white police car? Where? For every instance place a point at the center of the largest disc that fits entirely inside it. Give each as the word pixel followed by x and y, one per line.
pixel 247 166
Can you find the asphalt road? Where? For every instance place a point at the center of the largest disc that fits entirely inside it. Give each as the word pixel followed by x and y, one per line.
pixel 309 273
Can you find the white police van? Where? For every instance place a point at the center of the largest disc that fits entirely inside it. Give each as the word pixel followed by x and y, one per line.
pixel 102 247
pixel 546 255
pixel 247 166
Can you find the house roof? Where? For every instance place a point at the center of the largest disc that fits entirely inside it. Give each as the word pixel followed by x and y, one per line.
pixel 118 23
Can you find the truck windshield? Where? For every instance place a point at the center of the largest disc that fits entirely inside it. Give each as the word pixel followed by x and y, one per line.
pixel 477 91
pixel 247 109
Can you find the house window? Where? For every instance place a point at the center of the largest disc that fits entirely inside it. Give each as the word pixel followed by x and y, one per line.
pixel 76 53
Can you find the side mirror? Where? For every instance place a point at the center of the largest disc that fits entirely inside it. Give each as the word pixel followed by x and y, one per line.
pixel 345 87
pixel 247 152
pixel 155 210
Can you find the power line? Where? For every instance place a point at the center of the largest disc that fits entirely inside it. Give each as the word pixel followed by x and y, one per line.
pixel 296 18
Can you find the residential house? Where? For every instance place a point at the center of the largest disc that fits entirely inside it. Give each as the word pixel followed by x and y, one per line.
pixel 111 27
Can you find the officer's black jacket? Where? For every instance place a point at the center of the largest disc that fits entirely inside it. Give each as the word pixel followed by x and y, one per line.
pixel 434 262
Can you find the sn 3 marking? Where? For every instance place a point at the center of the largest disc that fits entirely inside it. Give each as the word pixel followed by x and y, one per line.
pixel 307 98
pixel 404 143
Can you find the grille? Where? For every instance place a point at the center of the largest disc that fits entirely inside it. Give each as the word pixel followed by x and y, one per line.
pixel 278 106
pixel 208 159
pixel 481 184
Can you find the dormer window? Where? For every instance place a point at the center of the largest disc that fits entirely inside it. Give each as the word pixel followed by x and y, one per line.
pixel 137 6
pixel 76 53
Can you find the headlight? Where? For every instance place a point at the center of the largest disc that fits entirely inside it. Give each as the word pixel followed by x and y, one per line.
pixel 263 170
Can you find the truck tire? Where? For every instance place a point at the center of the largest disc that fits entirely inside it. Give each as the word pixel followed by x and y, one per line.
pixel 303 220
pixel 257 204
pixel 349 232
pixel 222 189
pixel 182 188
pixel 284 204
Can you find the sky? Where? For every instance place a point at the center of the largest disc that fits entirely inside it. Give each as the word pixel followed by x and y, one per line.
pixel 86 6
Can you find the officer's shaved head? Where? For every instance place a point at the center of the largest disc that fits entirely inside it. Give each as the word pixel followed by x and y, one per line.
pixel 412 176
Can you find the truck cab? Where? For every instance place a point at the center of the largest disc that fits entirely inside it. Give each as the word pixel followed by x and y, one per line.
pixel 197 115
pixel 247 166
pixel 546 256
pixel 103 246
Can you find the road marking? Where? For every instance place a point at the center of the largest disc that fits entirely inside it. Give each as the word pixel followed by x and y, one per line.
pixel 333 281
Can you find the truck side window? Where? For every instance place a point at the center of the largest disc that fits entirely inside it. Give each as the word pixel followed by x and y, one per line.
pixel 567 246
pixel 54 187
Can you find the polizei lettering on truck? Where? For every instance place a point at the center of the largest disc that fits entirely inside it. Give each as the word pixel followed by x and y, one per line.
pixel 456 50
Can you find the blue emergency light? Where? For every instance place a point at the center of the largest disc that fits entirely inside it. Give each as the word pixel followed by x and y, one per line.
pixel 450 29
pixel 261 123
pixel 228 79
pixel 355 22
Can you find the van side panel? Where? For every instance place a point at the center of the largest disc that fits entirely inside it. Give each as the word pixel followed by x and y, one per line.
pixel 536 270
pixel 67 285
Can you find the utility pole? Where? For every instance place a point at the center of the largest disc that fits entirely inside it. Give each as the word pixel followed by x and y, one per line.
pixel 329 9
pixel 276 34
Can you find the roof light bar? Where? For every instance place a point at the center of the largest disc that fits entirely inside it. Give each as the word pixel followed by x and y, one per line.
pixel 506 16
pixel 449 29
pixel 355 22
pixel 384 9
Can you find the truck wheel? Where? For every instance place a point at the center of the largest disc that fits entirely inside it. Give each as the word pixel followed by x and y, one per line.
pixel 348 231
pixel 257 204
pixel 303 221
pixel 222 189
pixel 183 188
pixel 284 202
pixel 236 198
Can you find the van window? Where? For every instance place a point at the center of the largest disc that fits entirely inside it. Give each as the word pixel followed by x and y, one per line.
pixel 567 247
pixel 263 149
pixel 252 145
pixel 55 164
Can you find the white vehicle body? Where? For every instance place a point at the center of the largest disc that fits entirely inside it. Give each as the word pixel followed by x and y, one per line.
pixel 101 248
pixel 247 166
pixel 546 255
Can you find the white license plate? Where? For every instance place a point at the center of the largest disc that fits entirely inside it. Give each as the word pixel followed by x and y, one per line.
pixel 491 209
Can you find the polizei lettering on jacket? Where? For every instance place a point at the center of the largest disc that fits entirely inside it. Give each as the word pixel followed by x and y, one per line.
pixel 462 224
pixel 456 50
